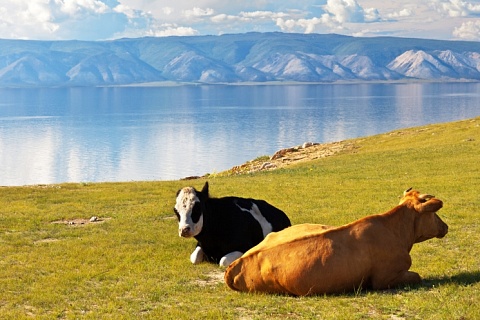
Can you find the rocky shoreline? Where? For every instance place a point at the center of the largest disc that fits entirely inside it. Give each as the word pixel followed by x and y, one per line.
pixel 284 157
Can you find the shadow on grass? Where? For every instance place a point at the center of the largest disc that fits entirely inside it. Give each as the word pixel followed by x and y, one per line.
pixel 462 279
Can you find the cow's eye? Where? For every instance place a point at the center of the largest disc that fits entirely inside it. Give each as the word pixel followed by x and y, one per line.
pixel 196 212
pixel 176 213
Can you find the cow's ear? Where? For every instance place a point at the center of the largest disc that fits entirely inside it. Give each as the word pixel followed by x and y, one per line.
pixel 432 205
pixel 205 189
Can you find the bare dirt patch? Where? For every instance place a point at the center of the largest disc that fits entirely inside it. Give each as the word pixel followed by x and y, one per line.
pixel 211 279
pixel 47 240
pixel 82 221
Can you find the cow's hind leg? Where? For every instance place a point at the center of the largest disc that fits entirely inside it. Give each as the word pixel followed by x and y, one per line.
pixel 404 278
pixel 408 277
pixel 229 258
pixel 197 255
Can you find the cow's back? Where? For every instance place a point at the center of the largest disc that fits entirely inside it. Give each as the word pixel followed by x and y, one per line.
pixel 276 217
pixel 298 260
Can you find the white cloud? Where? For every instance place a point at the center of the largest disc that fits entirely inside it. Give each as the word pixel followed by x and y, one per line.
pixel 86 20
pixel 400 14
pixel 198 12
pixel 107 19
pixel 372 15
pixel 172 30
pixel 264 15
pixel 31 16
pixel 469 30
pixel 219 18
pixel 337 14
pixel 77 8
pixel 343 11
pixel 254 19
pixel 168 10
pixel 127 11
pixel 456 8
pixel 42 19
pixel 304 25
pixel 311 25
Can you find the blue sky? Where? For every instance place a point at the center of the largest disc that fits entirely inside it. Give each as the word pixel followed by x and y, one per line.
pixel 112 19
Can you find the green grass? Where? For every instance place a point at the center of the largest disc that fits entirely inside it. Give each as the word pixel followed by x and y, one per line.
pixel 134 265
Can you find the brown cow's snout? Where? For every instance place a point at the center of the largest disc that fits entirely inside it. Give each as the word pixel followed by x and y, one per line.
pixel 443 230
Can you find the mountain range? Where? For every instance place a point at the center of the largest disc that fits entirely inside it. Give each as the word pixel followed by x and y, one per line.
pixel 235 58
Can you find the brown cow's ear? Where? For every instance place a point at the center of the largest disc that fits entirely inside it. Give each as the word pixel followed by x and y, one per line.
pixel 431 205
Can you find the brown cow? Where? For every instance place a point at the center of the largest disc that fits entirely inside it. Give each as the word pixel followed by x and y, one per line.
pixel 372 252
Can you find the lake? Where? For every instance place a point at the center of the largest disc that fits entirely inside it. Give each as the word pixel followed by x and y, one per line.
pixel 54 135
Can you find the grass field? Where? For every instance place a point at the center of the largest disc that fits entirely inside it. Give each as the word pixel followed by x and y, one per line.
pixel 131 263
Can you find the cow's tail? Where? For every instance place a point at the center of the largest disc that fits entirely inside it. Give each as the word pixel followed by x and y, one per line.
pixel 231 272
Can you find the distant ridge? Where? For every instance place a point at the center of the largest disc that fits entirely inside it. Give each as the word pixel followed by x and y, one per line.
pixel 235 58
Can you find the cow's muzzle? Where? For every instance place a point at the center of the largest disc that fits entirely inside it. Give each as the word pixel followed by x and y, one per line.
pixel 185 232
pixel 443 231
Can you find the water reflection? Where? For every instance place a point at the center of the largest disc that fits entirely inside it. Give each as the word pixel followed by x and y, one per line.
pixel 121 134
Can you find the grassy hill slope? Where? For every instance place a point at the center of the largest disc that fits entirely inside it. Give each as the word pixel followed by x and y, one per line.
pixel 132 264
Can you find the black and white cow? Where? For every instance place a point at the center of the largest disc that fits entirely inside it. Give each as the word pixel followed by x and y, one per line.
pixel 225 227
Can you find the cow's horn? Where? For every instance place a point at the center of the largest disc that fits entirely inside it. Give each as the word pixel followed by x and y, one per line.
pixel 426 196
pixel 405 192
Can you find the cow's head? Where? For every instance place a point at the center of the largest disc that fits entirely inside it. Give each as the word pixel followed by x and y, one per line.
pixel 189 209
pixel 427 223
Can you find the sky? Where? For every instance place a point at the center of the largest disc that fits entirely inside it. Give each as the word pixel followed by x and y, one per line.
pixel 113 19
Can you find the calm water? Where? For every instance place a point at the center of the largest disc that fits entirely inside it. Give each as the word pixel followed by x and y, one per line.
pixel 162 133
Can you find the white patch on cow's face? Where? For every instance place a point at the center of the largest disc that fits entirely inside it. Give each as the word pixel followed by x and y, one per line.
pixel 255 212
pixel 189 214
